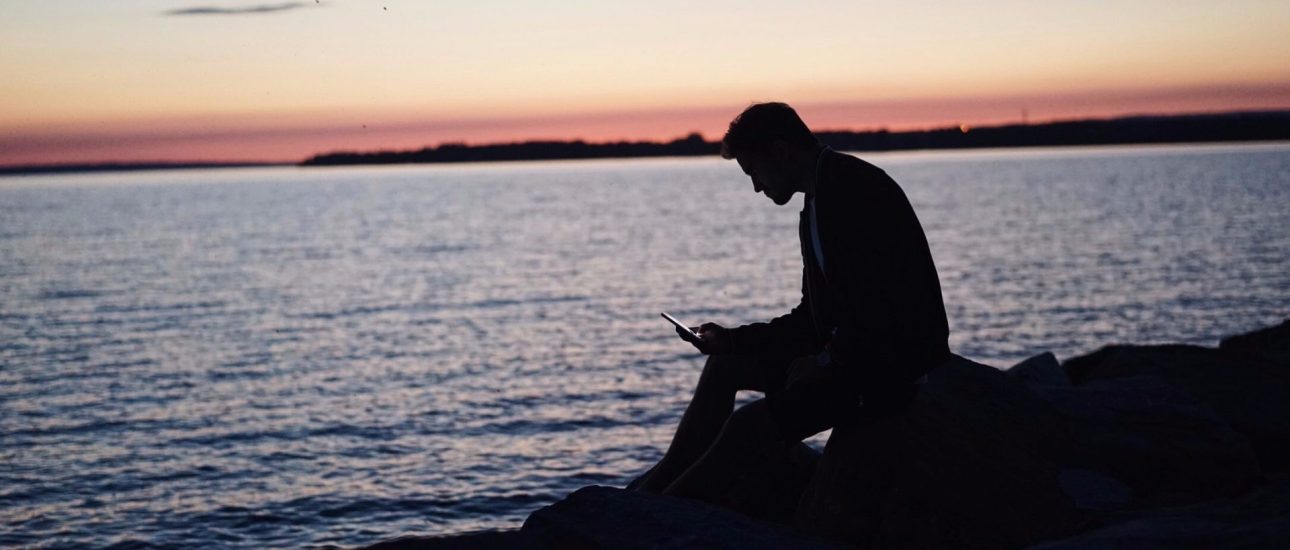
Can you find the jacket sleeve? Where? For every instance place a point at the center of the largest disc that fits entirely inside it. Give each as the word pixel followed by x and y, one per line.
pixel 791 333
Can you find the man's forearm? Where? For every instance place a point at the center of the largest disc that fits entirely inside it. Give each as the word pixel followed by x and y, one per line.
pixel 788 331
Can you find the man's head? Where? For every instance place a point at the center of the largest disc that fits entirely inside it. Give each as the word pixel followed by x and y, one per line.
pixel 770 142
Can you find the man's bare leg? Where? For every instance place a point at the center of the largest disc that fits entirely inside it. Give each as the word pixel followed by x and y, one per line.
pixel 748 440
pixel 714 399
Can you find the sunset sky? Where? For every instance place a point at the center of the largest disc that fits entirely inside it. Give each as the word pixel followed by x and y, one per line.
pixel 137 80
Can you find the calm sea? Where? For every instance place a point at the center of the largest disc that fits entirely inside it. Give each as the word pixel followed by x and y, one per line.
pixel 291 357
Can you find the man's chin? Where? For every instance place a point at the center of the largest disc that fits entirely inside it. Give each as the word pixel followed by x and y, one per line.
pixel 781 201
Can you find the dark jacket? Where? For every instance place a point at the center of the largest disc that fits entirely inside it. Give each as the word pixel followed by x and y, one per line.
pixel 877 307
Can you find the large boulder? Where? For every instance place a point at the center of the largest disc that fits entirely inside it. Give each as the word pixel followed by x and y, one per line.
pixel 1040 371
pixel 1271 344
pixel 1253 397
pixel 966 466
pixel 984 397
pixel 771 490
pixel 1153 437
pixel 604 517
pixel 1260 519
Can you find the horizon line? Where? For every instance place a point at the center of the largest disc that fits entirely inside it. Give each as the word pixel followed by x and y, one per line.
pixel 112 165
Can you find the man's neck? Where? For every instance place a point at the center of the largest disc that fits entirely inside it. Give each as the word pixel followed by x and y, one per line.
pixel 810 160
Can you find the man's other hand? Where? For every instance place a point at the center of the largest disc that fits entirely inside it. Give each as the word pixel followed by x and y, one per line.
pixel 802 368
pixel 713 339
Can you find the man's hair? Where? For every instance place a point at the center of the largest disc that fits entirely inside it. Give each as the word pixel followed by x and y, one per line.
pixel 761 124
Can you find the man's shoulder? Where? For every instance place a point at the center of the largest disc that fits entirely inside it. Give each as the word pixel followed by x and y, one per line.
pixel 849 161
pixel 851 175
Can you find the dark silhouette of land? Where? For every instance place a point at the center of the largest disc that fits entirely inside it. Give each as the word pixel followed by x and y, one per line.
pixel 1224 127
pixel 692 145
pixel 1194 128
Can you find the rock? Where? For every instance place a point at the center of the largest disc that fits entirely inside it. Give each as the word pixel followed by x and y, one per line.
pixel 1094 490
pixel 770 493
pixel 1271 344
pixel 966 466
pixel 604 517
pixel 982 396
pixel 1260 519
pixel 1040 370
pixel 1250 396
pixel 1153 437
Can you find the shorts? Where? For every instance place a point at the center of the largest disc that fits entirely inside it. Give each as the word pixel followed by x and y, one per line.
pixel 815 404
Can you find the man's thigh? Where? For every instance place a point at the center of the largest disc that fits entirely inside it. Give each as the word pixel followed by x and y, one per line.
pixel 762 372
pixel 811 406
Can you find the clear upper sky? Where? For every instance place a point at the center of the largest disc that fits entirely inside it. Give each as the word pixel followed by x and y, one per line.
pixel 95 80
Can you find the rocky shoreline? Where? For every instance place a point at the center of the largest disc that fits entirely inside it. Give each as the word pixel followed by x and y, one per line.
pixel 1138 446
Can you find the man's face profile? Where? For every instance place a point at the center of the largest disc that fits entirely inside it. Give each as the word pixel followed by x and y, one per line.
pixel 768 178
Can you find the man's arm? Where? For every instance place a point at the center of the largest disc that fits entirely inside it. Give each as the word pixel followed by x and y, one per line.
pixel 791 331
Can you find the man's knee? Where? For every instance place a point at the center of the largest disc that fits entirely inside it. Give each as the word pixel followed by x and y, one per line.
pixel 752 417
pixel 751 428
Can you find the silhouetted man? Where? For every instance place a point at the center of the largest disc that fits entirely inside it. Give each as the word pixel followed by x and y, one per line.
pixel 870 324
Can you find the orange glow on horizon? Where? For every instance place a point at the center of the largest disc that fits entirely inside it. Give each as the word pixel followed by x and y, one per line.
pixel 292 137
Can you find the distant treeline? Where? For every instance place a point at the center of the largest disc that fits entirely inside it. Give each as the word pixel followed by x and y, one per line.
pixel 692 145
pixel 1246 126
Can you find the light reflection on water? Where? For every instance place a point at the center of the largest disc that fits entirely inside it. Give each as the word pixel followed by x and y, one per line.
pixel 288 357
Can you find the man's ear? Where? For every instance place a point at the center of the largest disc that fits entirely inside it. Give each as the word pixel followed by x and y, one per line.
pixel 780 151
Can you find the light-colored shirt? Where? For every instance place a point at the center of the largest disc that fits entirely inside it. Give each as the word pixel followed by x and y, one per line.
pixel 815 233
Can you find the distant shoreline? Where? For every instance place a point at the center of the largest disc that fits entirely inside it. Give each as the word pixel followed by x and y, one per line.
pixel 1192 128
pixel 1234 127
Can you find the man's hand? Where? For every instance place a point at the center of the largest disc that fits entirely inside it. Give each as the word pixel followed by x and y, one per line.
pixel 713 339
pixel 802 368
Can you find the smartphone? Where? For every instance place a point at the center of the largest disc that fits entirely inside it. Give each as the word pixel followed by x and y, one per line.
pixel 686 334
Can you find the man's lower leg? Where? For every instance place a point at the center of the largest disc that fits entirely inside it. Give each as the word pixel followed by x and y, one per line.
pixel 747 442
pixel 713 401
